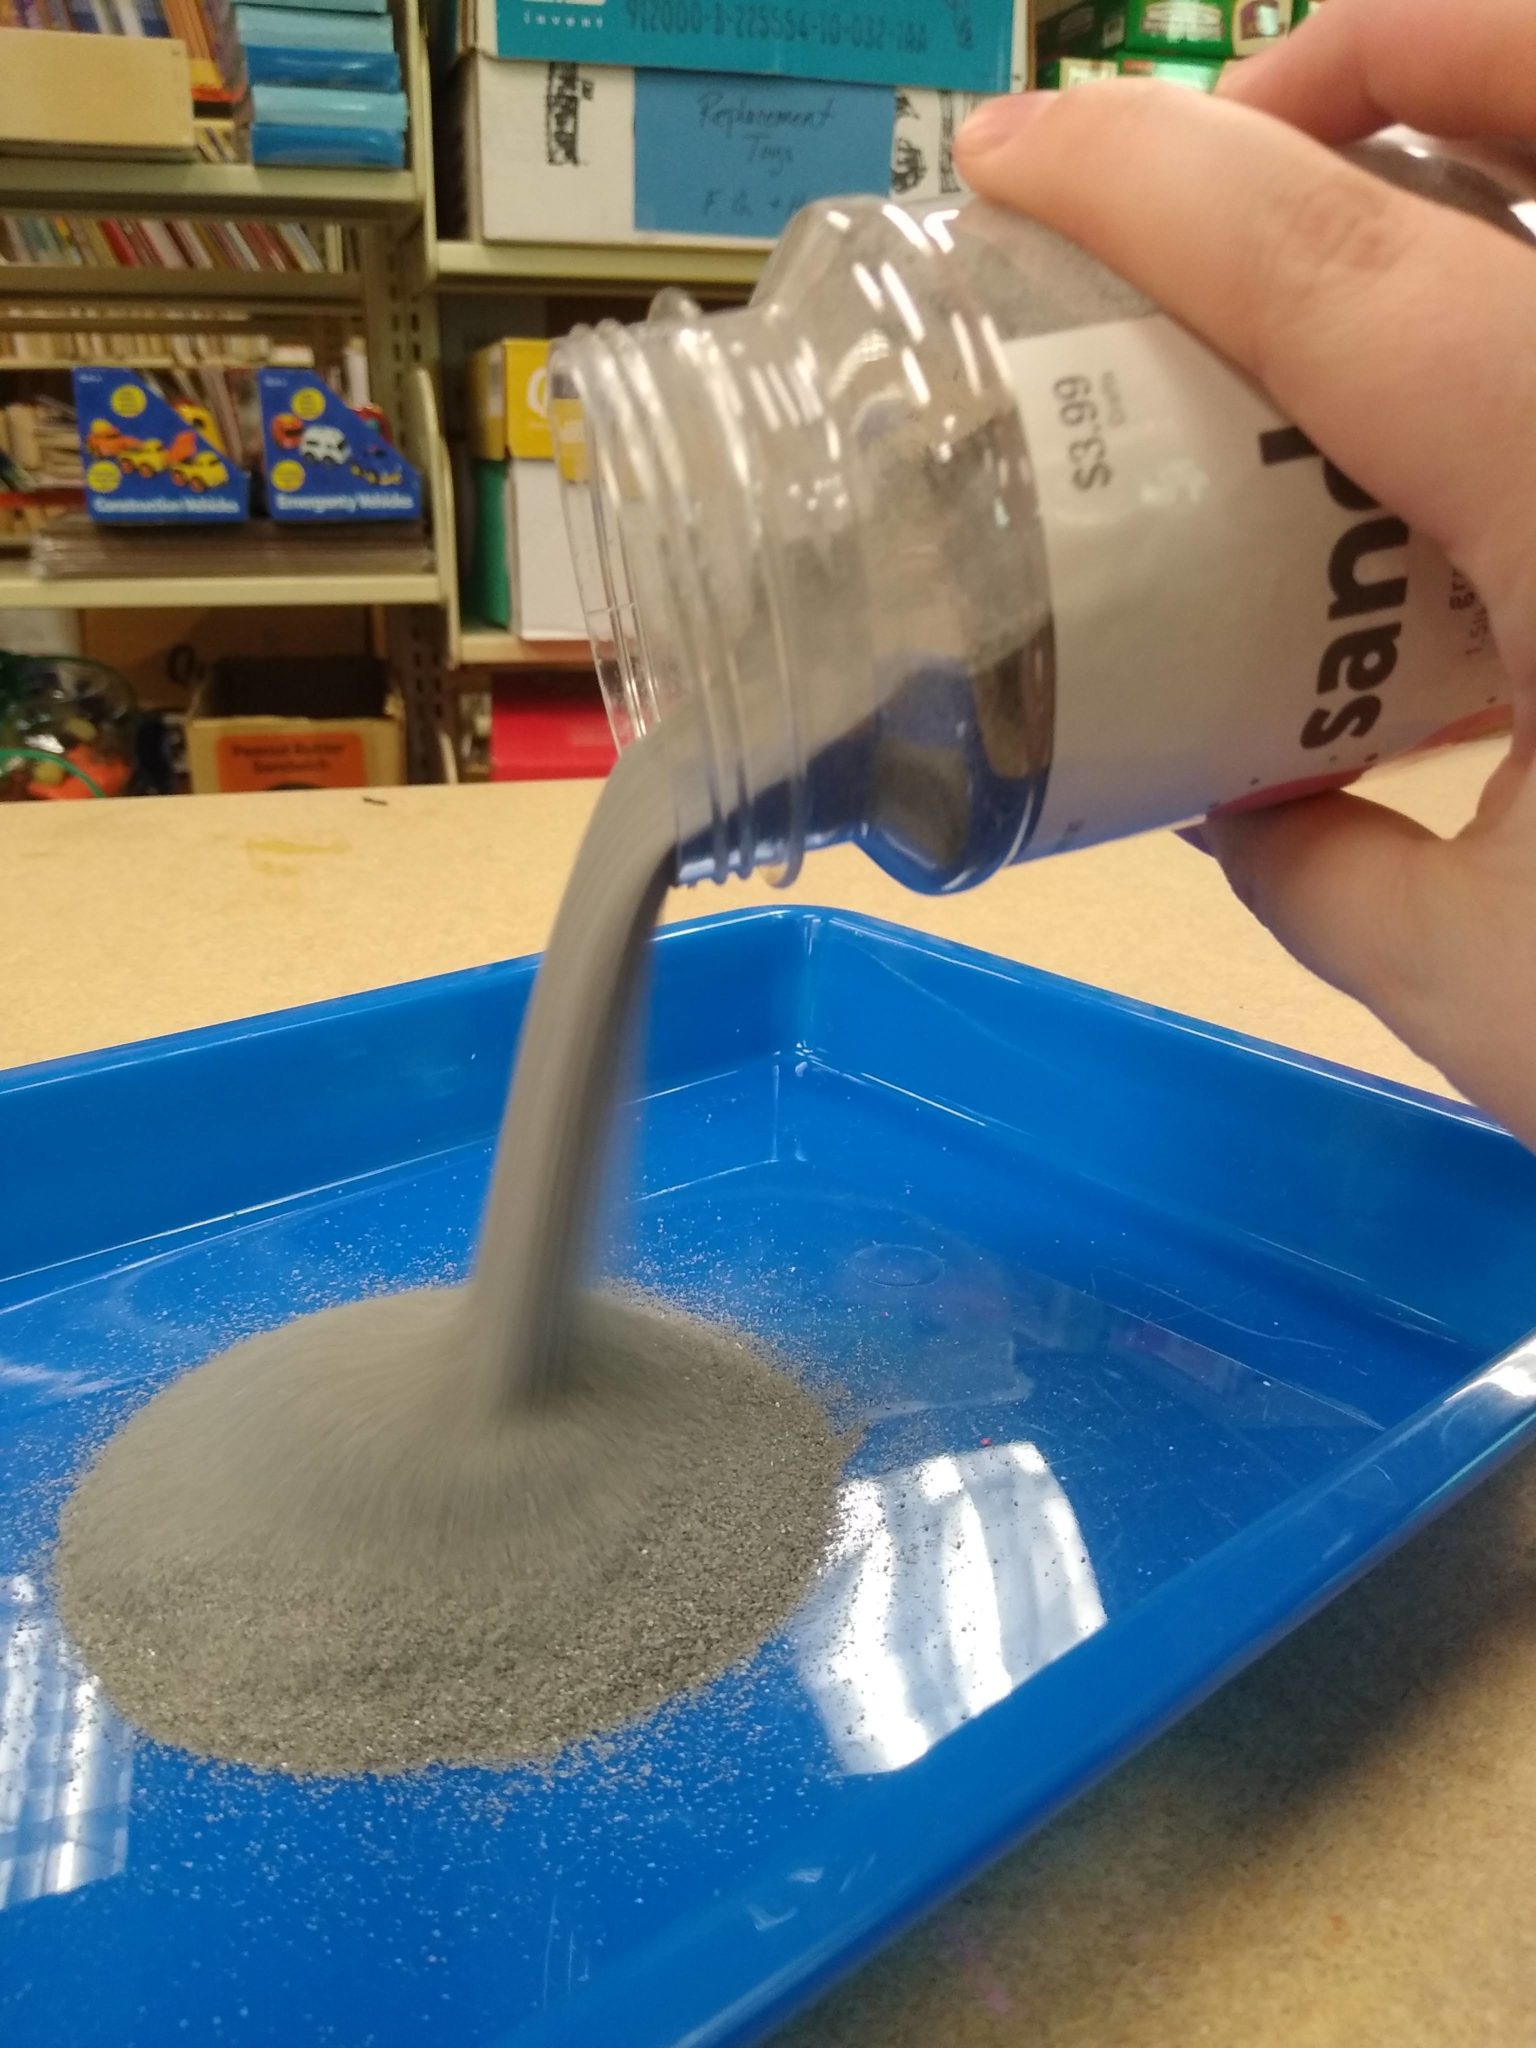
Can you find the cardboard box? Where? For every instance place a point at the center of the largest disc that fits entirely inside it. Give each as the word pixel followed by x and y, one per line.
pixel 165 656
pixel 299 724
pixel 521 573
pixel 94 95
pixel 577 153
pixel 509 401
pixel 963 48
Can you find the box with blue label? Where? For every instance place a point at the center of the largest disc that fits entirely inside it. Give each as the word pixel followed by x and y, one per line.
pixel 276 43
pixel 325 125
pixel 571 153
pixel 963 45
pixel 144 463
pixel 323 460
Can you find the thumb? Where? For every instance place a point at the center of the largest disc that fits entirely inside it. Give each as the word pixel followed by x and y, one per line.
pixel 1340 881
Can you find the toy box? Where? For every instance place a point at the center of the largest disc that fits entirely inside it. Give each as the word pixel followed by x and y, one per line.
pixel 144 463
pixel 323 460
pixel 969 46
pixel 578 153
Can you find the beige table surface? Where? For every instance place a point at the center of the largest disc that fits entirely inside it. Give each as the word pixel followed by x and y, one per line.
pixel 1339 1849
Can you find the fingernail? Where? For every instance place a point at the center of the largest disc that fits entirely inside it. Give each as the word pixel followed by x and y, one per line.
pixel 998 121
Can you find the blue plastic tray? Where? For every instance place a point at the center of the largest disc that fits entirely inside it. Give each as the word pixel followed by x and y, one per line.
pixel 1160 1337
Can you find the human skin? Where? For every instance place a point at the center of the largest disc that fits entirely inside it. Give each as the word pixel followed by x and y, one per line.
pixel 1402 337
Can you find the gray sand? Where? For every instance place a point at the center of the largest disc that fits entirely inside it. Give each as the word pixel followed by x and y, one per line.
pixel 314 1553
pixel 473 1525
pixel 572 1061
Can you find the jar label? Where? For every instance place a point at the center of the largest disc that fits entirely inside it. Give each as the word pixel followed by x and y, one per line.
pixel 1235 620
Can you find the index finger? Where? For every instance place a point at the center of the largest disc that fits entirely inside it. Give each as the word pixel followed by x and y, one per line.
pixel 1394 331
pixel 1451 67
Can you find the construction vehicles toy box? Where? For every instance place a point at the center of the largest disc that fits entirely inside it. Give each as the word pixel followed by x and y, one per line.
pixel 326 461
pixel 148 463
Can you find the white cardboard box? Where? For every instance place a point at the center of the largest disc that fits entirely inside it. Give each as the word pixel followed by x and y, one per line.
pixel 546 604
pixel 549 153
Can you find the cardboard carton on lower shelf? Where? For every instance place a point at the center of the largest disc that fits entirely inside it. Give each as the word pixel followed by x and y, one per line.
pixel 299 724
pixel 94 95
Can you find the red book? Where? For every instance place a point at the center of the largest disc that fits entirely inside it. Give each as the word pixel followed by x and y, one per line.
pixel 143 248
pixel 119 243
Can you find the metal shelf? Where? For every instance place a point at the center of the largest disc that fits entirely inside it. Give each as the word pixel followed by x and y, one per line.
pixel 436 588
pixel 87 285
pixel 113 186
pixel 491 647
pixel 35 365
pixel 567 266
pixel 19 588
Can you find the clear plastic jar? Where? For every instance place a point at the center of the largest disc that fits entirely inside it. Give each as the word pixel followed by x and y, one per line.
pixel 959 548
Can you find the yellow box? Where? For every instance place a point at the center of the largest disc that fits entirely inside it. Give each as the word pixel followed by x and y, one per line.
pixel 94 95
pixel 509 402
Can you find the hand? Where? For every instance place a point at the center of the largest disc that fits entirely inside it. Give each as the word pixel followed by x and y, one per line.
pixel 1402 337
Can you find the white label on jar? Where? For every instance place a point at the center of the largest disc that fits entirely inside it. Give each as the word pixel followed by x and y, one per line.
pixel 1234 619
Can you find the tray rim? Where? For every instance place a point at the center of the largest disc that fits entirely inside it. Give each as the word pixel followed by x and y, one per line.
pixel 806 918
pixel 722 1977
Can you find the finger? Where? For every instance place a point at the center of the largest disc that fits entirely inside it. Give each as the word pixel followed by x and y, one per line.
pixel 1451 67
pixel 1433 936
pixel 1348 299
pixel 1336 879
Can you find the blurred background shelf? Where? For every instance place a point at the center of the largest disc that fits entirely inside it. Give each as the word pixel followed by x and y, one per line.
pixel 83 285
pixel 48 185
pixel 482 266
pixel 21 589
pixel 483 646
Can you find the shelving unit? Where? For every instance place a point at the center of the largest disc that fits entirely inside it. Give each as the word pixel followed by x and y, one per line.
pixel 405 281
pixel 20 589
pixel 185 290
pixel 478 266
pixel 171 191
pixel 491 647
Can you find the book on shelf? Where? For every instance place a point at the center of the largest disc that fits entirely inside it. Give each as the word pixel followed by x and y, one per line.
pixel 28 349
pixel 64 241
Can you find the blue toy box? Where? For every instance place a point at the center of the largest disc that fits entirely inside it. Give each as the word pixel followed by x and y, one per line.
pixel 323 460
pixel 144 463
